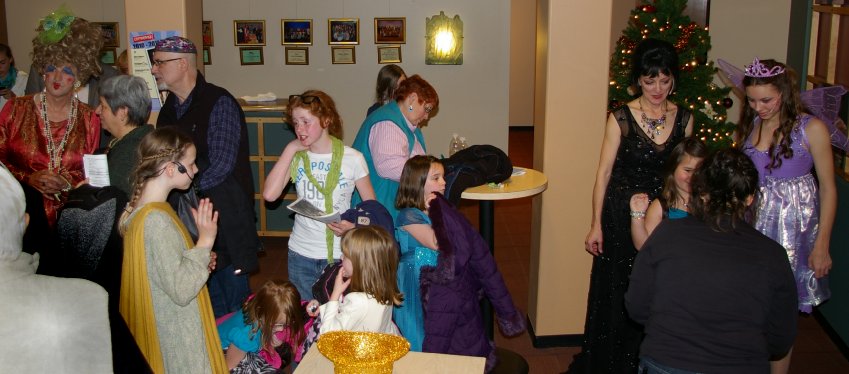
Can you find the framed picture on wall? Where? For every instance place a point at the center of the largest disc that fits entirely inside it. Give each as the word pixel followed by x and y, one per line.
pixel 250 56
pixel 249 32
pixel 390 54
pixel 109 56
pixel 343 31
pixel 207 56
pixel 206 31
pixel 390 30
pixel 109 32
pixel 297 56
pixel 343 55
pixel 296 31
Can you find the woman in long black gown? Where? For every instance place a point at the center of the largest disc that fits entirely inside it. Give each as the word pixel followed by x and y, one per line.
pixel 637 141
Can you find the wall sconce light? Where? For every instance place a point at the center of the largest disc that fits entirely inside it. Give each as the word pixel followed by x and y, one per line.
pixel 444 40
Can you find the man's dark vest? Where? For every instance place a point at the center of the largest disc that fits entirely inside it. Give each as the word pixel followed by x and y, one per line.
pixel 237 241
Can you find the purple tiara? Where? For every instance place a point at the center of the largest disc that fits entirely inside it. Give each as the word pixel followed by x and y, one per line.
pixel 759 70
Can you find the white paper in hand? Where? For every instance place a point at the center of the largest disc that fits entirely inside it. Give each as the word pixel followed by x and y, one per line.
pixel 306 209
pixel 96 169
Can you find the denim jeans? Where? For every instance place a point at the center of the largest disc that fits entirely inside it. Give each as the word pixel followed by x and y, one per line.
pixel 303 272
pixel 649 366
pixel 227 291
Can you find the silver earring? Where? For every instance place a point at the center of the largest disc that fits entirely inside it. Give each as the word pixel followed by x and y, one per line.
pixel 411 108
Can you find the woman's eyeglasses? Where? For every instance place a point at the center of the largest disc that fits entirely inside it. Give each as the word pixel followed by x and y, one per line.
pixel 306 99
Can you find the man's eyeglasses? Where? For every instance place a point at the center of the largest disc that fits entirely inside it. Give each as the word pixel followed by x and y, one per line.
pixel 160 62
pixel 306 99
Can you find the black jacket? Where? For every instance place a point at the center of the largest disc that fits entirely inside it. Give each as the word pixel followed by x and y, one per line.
pixel 711 301
pixel 237 242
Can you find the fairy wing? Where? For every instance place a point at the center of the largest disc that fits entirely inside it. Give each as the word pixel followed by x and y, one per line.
pixel 733 73
pixel 824 103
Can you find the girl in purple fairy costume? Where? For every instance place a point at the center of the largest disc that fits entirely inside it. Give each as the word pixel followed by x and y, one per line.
pixel 795 208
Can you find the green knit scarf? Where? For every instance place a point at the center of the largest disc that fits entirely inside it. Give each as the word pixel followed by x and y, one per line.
pixel 329 184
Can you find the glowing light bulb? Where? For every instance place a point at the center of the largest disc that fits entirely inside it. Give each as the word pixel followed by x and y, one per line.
pixel 444 41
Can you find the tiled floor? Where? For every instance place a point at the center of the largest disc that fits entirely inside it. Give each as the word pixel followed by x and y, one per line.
pixel 814 351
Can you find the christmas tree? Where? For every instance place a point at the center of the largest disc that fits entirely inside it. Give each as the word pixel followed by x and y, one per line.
pixel 664 20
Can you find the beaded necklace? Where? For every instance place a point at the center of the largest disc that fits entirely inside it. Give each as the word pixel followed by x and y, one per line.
pixel 653 127
pixel 54 153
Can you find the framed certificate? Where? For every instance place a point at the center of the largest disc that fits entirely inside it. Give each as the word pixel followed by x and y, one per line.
pixel 297 56
pixel 389 54
pixel 250 55
pixel 343 55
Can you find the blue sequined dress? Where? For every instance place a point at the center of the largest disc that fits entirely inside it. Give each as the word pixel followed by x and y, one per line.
pixel 788 211
pixel 409 316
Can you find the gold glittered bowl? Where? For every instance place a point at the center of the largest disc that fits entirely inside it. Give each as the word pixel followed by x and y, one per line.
pixel 362 352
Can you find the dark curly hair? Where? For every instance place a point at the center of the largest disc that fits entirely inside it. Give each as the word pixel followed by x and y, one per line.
pixel 791 107
pixel 721 187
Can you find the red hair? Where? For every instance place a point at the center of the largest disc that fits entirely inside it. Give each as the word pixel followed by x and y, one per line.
pixel 417 85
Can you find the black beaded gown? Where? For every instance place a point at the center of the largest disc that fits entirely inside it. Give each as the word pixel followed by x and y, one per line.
pixel 611 339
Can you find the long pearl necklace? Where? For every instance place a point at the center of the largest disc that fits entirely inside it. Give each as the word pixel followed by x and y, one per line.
pixel 54 153
pixel 653 127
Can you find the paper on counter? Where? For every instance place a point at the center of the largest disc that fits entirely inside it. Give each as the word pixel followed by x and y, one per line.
pixel 268 96
pixel 96 169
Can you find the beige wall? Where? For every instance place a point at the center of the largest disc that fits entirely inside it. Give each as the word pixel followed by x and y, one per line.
pixel 473 96
pixel 522 59
pixel 22 17
pixel 569 128
pixel 619 17
pixel 734 39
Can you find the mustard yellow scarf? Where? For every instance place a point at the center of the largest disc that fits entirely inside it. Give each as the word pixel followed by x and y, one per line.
pixel 136 305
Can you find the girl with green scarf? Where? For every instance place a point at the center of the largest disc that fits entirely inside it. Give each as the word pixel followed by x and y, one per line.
pixel 325 173
pixel 12 81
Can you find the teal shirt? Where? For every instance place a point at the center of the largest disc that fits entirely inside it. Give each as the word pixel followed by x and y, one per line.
pixel 234 331
pixel 385 189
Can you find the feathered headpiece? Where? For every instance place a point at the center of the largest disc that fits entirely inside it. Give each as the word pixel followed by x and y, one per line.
pixel 55 26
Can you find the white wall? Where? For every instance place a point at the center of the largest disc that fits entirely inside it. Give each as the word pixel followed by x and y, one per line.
pixel 473 97
pixel 23 16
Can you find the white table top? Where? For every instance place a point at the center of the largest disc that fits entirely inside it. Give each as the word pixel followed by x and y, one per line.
pixel 412 362
pixel 528 184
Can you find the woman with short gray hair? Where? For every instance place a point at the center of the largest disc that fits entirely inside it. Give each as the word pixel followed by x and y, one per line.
pixel 124 110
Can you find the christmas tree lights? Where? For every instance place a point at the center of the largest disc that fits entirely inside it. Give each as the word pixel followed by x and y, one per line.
pixel 695 90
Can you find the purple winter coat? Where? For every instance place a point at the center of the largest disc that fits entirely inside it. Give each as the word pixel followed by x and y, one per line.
pixel 451 291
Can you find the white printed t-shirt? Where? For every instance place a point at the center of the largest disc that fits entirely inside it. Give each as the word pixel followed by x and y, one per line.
pixel 308 235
